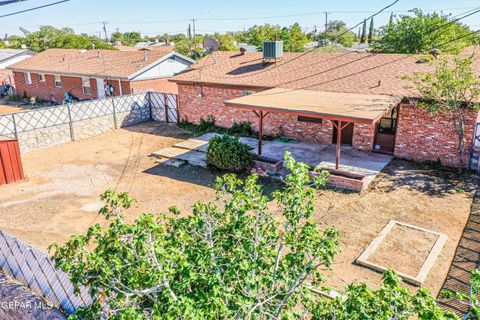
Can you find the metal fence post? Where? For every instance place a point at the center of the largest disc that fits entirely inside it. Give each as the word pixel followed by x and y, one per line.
pixel 15 131
pixel 149 100
pixel 165 102
pixel 114 114
pixel 72 136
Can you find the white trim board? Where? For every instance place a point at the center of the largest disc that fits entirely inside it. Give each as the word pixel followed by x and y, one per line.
pixel 427 265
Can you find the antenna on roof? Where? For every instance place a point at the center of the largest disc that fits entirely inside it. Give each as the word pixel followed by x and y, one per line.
pixel 211 44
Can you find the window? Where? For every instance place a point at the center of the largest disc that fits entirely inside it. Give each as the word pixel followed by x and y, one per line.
pixel 86 89
pixel 308 119
pixel 388 123
pixel 27 77
pixel 41 77
pixel 58 81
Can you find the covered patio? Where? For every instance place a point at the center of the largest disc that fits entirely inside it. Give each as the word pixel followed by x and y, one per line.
pixel 342 109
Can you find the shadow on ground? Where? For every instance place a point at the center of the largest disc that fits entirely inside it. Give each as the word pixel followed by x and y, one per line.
pixel 429 179
pixel 205 177
pixel 160 129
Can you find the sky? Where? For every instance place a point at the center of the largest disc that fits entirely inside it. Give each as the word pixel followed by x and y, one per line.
pixel 153 17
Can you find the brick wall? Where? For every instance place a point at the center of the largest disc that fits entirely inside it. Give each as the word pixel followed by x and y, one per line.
pixel 363 136
pixel 156 85
pixel 193 107
pixel 424 136
pixel 45 89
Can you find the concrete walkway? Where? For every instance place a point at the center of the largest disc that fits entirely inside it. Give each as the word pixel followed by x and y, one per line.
pixel 314 154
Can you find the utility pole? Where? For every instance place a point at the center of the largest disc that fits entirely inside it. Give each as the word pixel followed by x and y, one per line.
pixel 105 31
pixel 194 30
pixel 326 23
pixel 189 31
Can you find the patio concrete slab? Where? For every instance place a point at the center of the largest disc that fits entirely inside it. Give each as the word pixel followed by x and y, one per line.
pixel 316 155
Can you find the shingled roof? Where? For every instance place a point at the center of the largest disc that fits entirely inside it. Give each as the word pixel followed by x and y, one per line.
pixel 336 72
pixel 93 63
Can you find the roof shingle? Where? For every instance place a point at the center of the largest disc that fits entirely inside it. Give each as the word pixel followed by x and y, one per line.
pixel 102 63
pixel 336 72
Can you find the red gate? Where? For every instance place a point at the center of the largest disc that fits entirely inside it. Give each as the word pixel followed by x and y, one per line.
pixel 11 168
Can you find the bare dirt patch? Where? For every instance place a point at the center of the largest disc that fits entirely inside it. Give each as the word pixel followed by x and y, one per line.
pixel 404 249
pixel 59 196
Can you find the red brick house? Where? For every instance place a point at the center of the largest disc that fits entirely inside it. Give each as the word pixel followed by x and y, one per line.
pixel 219 85
pixel 94 74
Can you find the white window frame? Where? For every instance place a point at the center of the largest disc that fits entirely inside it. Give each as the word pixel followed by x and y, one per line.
pixel 58 81
pixel 27 77
pixel 86 84
pixel 41 77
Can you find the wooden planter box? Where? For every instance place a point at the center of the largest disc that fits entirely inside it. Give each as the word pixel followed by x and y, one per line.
pixel 345 180
pixel 268 165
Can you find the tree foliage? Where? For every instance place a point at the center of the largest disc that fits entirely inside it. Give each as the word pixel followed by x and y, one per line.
pixel 127 38
pixel 228 260
pixel 452 89
pixel 293 36
pixel 391 301
pixel 49 37
pixel 421 32
pixel 337 32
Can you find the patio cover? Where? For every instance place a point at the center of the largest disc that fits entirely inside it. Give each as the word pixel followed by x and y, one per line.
pixel 348 107
pixel 342 108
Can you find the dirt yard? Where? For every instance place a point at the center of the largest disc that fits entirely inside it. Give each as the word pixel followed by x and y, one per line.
pixel 60 196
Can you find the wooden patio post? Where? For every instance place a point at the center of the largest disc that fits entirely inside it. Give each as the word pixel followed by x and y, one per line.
pixel 339 140
pixel 260 132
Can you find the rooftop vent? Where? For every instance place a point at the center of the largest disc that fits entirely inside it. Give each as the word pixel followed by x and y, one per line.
pixel 272 50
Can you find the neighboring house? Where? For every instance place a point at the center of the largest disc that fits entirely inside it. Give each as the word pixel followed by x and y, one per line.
pixel 94 74
pixel 9 57
pixel 363 91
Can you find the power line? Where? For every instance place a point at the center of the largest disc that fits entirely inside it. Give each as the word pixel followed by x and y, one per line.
pixel 32 9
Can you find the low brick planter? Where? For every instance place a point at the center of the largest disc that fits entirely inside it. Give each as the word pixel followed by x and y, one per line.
pixel 268 165
pixel 345 180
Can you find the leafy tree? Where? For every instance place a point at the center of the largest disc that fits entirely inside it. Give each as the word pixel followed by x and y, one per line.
pixel 234 260
pixel 49 37
pixel 371 31
pixel 452 89
pixel 127 38
pixel 293 37
pixel 389 302
pixel 337 32
pixel 363 38
pixel 422 32
pixel 471 299
pixel 191 47
pixel 226 41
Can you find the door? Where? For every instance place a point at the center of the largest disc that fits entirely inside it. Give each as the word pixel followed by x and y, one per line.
pixel 100 89
pixel 347 134
pixel 386 132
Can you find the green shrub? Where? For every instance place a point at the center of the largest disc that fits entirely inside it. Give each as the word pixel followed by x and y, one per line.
pixel 227 153
pixel 242 129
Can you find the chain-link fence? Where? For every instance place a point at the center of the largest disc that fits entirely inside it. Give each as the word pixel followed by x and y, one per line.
pixel 36 270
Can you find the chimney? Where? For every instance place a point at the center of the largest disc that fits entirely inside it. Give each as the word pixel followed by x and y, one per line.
pixel 145 55
pixel 243 51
